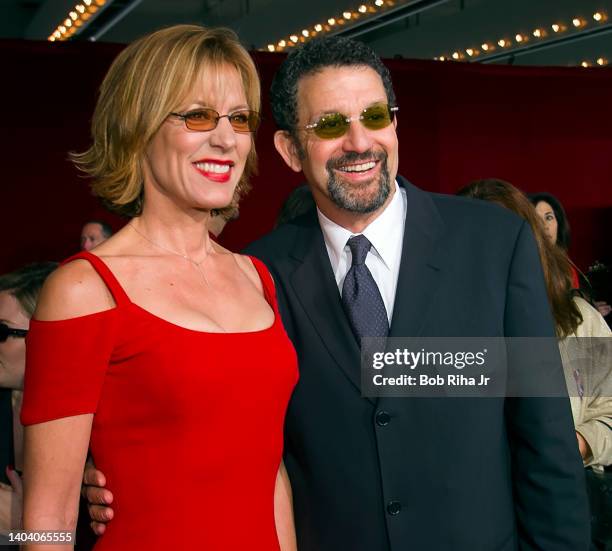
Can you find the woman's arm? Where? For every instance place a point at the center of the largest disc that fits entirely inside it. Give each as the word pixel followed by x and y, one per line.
pixel 56 437
pixel 55 454
pixel 283 511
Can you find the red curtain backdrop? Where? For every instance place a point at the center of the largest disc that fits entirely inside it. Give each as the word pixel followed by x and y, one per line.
pixel 542 129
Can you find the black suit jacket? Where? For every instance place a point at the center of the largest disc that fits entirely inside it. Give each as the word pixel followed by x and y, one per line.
pixel 442 474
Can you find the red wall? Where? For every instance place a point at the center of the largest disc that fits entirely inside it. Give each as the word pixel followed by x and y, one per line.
pixel 543 129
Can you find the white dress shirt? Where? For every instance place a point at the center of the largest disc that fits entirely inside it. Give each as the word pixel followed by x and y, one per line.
pixel 386 234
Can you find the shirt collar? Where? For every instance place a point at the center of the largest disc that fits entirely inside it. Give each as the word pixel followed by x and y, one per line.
pixel 385 232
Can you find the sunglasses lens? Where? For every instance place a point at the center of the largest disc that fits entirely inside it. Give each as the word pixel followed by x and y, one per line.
pixel 244 121
pixel 4 332
pixel 331 126
pixel 377 117
pixel 202 120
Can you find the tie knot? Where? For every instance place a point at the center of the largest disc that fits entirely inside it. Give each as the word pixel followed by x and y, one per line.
pixel 359 246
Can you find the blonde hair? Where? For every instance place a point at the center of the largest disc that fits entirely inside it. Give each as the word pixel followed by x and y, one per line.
pixel 147 81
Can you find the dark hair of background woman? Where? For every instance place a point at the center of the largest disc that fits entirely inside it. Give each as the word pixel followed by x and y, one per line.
pixel 555 264
pixel 563 227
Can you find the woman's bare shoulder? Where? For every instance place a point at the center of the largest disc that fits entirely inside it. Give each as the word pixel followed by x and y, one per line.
pixel 75 289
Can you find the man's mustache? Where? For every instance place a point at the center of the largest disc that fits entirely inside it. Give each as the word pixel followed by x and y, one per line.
pixel 354 157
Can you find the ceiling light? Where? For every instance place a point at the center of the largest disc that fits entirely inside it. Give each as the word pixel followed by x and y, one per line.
pixel 519 37
pixel 347 15
pixel 485 47
pixel 318 27
pixel 577 22
pixel 362 8
pixel 538 33
pixel 80 8
pixel 271 47
pixel 556 28
pixel 469 52
pixel 293 38
pixel 305 33
pixel 331 21
pixel 585 64
pixel 601 61
pixel 282 43
pixel 455 55
pixel 598 16
pixel 379 3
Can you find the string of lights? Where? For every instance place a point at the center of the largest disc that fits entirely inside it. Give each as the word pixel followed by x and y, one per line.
pixel 76 19
pixel 333 24
pixel 521 40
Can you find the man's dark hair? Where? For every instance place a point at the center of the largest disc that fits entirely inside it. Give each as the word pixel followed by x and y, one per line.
pixel 314 56
pixel 25 284
pixel 107 231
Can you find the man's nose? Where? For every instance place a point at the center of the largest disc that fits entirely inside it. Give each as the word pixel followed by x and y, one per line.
pixel 358 138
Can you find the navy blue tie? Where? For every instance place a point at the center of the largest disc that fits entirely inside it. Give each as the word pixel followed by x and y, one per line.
pixel 361 298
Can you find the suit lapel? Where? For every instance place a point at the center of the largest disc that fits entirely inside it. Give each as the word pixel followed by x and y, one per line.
pixel 420 264
pixel 315 287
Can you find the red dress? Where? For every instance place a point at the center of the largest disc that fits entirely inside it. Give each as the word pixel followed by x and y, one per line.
pixel 188 425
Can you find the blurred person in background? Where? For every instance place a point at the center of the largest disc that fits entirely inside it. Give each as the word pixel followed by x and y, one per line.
pixel 93 233
pixel 587 362
pixel 298 202
pixel 557 229
pixel 19 292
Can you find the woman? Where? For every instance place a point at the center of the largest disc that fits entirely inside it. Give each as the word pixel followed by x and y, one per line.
pixel 168 350
pixel 590 397
pixel 19 292
pixel 556 225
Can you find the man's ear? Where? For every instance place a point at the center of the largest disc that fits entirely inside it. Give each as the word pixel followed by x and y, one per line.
pixel 287 149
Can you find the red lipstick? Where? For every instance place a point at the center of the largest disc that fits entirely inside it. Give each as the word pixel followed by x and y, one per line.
pixel 217 170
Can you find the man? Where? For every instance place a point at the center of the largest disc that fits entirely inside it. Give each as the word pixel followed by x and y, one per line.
pixel 93 233
pixel 397 474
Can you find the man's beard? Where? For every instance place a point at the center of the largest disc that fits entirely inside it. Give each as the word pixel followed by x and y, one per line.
pixel 350 196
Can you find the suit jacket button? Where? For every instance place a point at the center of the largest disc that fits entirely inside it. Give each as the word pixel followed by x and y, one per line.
pixel 383 418
pixel 394 508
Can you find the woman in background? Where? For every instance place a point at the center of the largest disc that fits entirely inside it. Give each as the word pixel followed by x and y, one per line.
pixel 165 351
pixel 587 362
pixel 574 317
pixel 557 229
pixel 19 292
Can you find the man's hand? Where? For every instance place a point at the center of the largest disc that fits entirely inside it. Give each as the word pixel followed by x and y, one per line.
pixel 98 498
pixel 11 502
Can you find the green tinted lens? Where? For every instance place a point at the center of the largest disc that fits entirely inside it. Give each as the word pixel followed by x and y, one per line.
pixel 331 126
pixel 376 117
pixel 201 120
